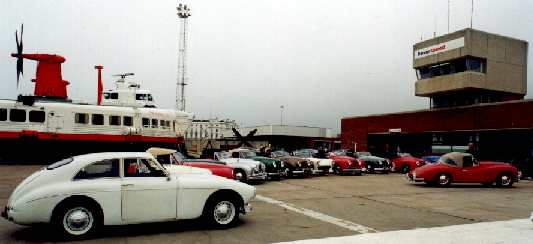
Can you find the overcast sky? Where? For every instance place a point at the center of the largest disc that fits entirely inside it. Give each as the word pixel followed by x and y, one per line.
pixel 322 60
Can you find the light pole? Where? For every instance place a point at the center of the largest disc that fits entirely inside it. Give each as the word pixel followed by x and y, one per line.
pixel 281 110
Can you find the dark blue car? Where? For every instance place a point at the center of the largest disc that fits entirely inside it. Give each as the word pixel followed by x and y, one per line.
pixel 431 159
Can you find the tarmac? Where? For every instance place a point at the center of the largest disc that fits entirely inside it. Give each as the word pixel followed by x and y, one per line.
pixel 372 207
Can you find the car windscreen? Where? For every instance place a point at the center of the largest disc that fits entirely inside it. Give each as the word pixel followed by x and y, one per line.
pixel 304 154
pixel 280 154
pixel 447 160
pixel 249 154
pixel 59 163
pixel 223 155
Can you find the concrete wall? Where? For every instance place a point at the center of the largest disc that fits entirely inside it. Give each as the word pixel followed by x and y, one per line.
pixel 506 69
pixel 285 130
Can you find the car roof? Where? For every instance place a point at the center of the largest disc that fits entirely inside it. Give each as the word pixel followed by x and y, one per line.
pixel 457 157
pixel 157 151
pixel 107 155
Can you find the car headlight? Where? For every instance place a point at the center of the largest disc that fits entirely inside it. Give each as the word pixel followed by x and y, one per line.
pixel 282 164
pixel 299 164
pixel 418 163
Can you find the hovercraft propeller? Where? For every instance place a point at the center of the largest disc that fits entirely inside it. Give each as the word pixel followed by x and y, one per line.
pixel 20 67
pixel 244 140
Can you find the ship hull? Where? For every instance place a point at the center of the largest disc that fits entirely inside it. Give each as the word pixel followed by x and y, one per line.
pixel 43 148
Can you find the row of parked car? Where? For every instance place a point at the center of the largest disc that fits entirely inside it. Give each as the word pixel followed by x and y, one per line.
pixel 244 164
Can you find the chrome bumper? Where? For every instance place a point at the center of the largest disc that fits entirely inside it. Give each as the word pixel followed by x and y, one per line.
pixel 413 179
pixel 247 208
pixel 261 176
pixel 353 171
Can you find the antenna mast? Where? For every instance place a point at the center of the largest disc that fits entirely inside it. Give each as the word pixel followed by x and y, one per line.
pixel 184 12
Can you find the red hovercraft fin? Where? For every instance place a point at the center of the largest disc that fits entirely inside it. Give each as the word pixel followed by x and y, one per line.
pixel 100 83
pixel 48 81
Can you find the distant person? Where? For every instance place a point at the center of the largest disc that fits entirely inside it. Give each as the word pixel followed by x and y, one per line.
pixel 472 150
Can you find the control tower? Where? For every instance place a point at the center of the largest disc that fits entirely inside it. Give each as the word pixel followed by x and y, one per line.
pixel 469 67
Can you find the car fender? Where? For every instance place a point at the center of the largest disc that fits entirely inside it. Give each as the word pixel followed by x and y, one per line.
pixel 194 192
pixel 106 192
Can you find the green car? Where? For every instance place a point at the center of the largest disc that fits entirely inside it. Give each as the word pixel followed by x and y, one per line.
pixel 275 168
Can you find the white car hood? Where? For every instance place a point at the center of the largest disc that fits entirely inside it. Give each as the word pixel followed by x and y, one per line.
pixel 249 162
pixel 322 162
pixel 182 169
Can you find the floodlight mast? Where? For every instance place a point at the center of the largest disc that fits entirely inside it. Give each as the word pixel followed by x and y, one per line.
pixel 184 12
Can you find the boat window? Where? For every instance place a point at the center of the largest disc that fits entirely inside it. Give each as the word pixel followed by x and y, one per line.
pixel 114 120
pixel 98 119
pixel 128 120
pixel 3 114
pixel 140 96
pixel 146 122
pixel 113 95
pixel 37 116
pixel 106 95
pixel 59 163
pixel 81 118
pixel 101 169
pixel 163 123
pixel 142 167
pixel 17 115
pixel 154 123
pixel 150 97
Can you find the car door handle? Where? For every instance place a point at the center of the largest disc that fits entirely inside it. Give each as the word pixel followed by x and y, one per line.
pixel 127 184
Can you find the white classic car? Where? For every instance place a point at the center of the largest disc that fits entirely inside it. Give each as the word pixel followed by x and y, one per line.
pixel 79 194
pixel 320 165
pixel 245 169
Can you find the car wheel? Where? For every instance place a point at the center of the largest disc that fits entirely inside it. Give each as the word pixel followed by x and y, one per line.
pixel 443 179
pixel 406 169
pixel 221 212
pixel 76 220
pixel 505 180
pixel 239 175
pixel 337 169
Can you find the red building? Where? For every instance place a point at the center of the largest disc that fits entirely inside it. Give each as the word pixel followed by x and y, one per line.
pixel 475 82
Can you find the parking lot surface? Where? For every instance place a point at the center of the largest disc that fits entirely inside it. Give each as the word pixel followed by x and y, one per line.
pixel 311 208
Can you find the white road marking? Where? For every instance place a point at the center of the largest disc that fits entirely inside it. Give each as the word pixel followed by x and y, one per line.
pixel 499 232
pixel 316 215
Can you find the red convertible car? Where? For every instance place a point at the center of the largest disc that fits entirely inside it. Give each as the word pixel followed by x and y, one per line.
pixel 170 156
pixel 458 167
pixel 405 163
pixel 345 164
pixel 216 167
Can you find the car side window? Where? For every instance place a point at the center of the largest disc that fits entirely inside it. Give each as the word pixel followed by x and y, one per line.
pixel 100 169
pixel 468 161
pixel 141 167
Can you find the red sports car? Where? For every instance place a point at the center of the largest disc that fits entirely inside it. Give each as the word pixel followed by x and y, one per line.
pixel 458 167
pixel 345 164
pixel 405 163
pixel 216 167
pixel 171 156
